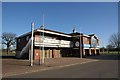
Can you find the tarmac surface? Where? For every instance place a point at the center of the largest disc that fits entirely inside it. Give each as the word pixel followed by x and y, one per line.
pixel 12 67
pixel 96 69
pixel 16 67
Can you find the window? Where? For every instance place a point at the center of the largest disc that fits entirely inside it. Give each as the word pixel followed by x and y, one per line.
pixel 27 38
pixel 18 40
pixel 86 39
pixel 93 42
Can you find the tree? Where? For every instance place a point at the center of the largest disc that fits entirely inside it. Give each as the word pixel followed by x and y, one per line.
pixel 109 47
pixel 115 41
pixel 8 39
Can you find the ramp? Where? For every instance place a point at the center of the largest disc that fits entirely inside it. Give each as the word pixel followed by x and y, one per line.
pixel 24 50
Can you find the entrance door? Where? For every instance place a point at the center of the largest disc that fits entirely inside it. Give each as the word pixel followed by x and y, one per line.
pixel 92 51
pixel 97 51
pixel 87 52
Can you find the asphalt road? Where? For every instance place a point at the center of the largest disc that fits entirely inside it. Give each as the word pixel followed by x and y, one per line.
pixel 104 68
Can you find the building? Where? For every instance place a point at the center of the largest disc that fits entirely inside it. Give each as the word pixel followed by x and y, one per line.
pixel 57 44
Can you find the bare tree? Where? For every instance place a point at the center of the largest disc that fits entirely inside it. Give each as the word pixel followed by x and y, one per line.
pixel 8 39
pixel 109 47
pixel 115 41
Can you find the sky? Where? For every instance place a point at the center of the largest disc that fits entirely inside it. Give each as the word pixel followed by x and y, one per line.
pixel 100 18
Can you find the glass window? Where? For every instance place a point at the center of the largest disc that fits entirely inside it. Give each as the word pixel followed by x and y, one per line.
pixel 94 42
pixel 18 40
pixel 27 38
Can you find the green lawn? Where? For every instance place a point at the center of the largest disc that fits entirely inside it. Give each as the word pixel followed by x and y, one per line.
pixel 13 54
pixel 110 52
pixel 5 54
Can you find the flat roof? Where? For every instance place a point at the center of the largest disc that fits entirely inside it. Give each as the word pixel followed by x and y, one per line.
pixel 46 31
pixel 56 33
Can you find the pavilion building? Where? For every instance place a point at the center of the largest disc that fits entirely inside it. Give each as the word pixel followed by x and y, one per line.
pixel 57 44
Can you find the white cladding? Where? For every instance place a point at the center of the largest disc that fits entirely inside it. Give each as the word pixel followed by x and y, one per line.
pixel 52 42
pixel 54 33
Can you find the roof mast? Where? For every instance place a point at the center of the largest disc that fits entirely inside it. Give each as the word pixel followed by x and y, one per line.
pixel 43 55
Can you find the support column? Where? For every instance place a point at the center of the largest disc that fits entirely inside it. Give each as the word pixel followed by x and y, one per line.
pixel 47 53
pixel 95 51
pixel 83 52
pixel 89 51
pixel 50 52
pixel 59 53
pixel 54 53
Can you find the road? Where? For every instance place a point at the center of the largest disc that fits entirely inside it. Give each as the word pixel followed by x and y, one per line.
pixel 103 68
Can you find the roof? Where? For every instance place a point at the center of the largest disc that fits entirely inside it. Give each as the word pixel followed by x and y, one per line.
pixel 77 33
pixel 46 31
pixel 94 36
pixel 57 33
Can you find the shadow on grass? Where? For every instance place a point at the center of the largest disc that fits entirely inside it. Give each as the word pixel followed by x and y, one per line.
pixel 7 57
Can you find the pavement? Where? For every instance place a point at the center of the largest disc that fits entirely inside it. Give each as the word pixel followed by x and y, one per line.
pixel 12 67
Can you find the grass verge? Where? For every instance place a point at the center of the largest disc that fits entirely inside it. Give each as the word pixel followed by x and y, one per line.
pixel 110 52
pixel 5 54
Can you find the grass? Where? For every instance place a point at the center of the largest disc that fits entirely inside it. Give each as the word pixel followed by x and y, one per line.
pixel 13 54
pixel 5 54
pixel 110 52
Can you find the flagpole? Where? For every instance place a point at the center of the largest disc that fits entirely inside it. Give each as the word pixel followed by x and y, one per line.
pixel 40 49
pixel 43 55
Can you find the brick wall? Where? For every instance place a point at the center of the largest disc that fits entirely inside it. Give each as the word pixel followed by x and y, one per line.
pixel 86 40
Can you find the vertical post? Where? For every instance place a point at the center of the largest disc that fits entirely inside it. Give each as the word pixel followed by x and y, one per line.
pixel 31 56
pixel 43 55
pixel 29 53
pixel 40 50
pixel 80 47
